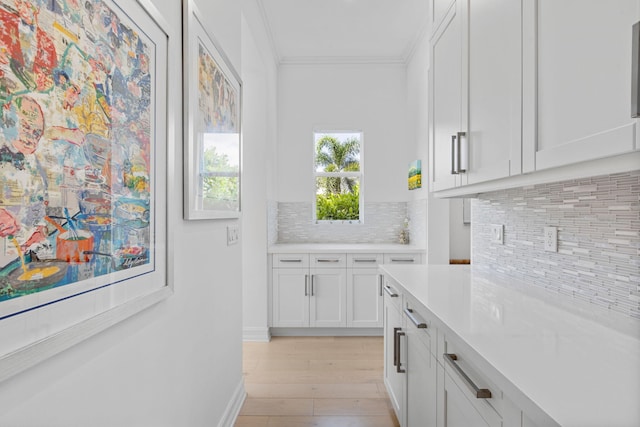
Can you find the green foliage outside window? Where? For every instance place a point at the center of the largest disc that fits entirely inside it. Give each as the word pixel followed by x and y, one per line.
pixel 222 185
pixel 337 197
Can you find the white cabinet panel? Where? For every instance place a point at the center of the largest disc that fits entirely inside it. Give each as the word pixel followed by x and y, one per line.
pixel 494 123
pixel 421 379
pixel 393 376
pixel 328 297
pixel 364 298
pixel 290 306
pixel 445 87
pixel 577 81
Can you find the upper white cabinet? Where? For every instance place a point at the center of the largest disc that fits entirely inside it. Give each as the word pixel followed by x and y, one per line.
pixel 577 81
pixel 476 94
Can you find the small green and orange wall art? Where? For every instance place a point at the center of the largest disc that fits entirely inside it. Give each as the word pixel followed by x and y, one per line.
pixel 415 174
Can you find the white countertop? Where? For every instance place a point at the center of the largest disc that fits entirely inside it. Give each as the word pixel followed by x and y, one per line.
pixel 342 248
pixel 554 349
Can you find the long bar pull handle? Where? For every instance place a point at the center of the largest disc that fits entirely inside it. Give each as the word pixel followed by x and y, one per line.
pixel 402 260
pixel 399 365
pixel 312 293
pixel 395 346
pixel 480 393
pixel 391 292
pixel 327 260
pixel 463 152
pixel 635 71
pixel 419 323
pixel 306 285
pixel 380 283
pixel 454 155
pixel 369 260
pixel 291 260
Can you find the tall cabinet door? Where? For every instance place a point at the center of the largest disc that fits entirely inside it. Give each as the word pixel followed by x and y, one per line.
pixel 577 81
pixel 364 298
pixel 494 85
pixel 445 87
pixel 328 291
pixel 421 382
pixel 290 297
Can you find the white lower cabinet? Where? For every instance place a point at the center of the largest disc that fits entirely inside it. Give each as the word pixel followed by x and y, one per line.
pixel 329 290
pixel 308 297
pixel 394 379
pixel 432 378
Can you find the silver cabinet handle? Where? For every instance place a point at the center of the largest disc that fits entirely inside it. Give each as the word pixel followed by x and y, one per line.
pixel 380 283
pixel 306 285
pixel 327 260
pixel 391 293
pixel 291 260
pixel 419 323
pixel 480 393
pixel 395 346
pixel 399 334
pixel 365 260
pixel 635 71
pixel 463 153
pixel 454 155
pixel 312 284
pixel 402 260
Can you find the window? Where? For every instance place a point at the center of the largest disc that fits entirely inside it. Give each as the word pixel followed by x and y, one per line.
pixel 338 175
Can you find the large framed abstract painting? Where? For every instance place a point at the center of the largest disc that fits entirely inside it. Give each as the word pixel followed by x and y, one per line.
pixel 212 97
pixel 83 170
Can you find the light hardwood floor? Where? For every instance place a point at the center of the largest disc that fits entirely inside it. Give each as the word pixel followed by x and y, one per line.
pixel 315 382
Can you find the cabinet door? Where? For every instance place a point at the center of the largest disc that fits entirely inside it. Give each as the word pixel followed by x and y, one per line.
pixel 364 298
pixel 393 380
pixel 290 297
pixel 577 75
pixel 421 382
pixel 328 293
pixel 445 88
pixel 492 43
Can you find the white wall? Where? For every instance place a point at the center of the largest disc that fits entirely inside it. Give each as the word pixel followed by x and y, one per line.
pixel 259 78
pixel 366 97
pixel 178 363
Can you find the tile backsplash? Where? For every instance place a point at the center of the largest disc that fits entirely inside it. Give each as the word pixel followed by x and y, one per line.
pixel 598 221
pixel 382 224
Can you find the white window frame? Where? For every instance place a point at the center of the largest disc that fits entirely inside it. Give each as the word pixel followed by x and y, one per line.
pixel 359 175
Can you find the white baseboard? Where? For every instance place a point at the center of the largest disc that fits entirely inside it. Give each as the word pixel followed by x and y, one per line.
pixel 323 332
pixel 256 334
pixel 233 407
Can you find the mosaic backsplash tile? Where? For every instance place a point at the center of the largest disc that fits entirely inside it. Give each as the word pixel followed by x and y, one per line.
pixel 598 220
pixel 417 212
pixel 382 224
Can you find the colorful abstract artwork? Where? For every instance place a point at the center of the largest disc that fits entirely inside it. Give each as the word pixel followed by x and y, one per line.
pixel 213 135
pixel 77 186
pixel 415 175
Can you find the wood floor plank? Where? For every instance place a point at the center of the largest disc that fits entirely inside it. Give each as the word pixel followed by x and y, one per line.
pixel 350 407
pixel 255 406
pixel 315 382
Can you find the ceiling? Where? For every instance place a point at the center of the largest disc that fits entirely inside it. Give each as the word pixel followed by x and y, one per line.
pixel 317 31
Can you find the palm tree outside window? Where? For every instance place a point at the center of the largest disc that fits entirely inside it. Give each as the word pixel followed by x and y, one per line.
pixel 338 175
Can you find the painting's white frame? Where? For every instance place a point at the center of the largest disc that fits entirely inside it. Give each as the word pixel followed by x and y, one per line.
pixel 78 318
pixel 193 33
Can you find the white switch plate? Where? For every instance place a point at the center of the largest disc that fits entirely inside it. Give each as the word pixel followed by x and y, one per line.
pixel 497 233
pixel 233 234
pixel 551 239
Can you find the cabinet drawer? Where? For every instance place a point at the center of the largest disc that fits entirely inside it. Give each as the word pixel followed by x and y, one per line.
pixel 465 364
pixel 364 260
pixel 417 317
pixel 290 260
pixel 414 258
pixel 328 260
pixel 392 293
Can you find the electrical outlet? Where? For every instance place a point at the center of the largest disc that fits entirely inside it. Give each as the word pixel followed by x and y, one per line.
pixel 551 239
pixel 233 235
pixel 497 233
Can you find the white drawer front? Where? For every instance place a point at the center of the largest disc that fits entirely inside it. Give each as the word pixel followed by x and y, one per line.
pixel 364 260
pixel 328 260
pixel 404 258
pixel 290 260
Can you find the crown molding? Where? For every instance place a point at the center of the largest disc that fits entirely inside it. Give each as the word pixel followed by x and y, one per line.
pixel 267 27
